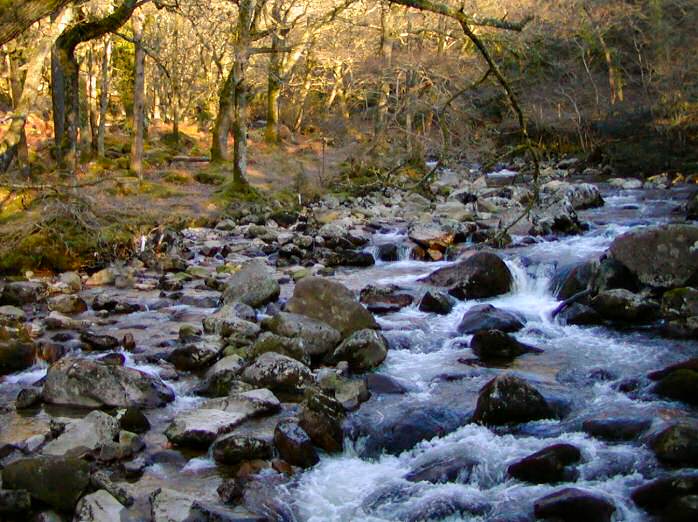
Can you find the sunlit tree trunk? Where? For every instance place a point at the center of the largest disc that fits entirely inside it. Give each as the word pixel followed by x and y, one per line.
pixel 104 96
pixel 16 88
pixel 138 98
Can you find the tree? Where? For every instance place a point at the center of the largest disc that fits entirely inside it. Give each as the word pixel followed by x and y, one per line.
pixel 17 16
pixel 138 98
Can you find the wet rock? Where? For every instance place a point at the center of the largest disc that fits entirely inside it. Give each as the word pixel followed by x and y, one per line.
pixel 346 257
pixel 661 256
pixel 15 503
pixel 547 466
pixel 388 252
pixel 680 303
pixel 321 418
pixel 113 304
pixel 230 491
pixel 480 275
pixel 510 399
pixel 99 342
pixel 134 420
pixel 385 299
pixel 290 347
pixel 622 305
pixel 71 282
pixel 574 505
pixel 16 354
pixel 84 436
pixel 332 303
pixel 254 285
pixel 87 383
pixel 363 350
pixel 579 314
pixel 571 280
pixel 317 337
pixel 219 377
pixel 58 321
pixel 107 276
pixel 56 481
pixel 232 319
pixel 167 505
pixel 195 353
pixel 495 345
pixel 681 384
pixel 663 497
pixel 431 237
pixel 351 393
pixel 200 427
pixel 677 445
pixel 487 317
pixel 99 506
pixel 278 373
pixel 28 398
pixel 234 448
pixel 11 315
pixel 437 303
pixel 384 384
pixel 618 429
pixel 18 293
pixel 692 207
pixel 294 444
pixel 443 507
pixel 67 304
pixel 610 274
pixel 449 465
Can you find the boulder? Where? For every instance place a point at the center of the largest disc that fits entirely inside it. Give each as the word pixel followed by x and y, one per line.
pixel 254 284
pixel 195 353
pixel 134 420
pixel 385 299
pixel 231 319
pixel 681 384
pixel 363 350
pixel 332 303
pixel 321 418
pixel 67 304
pixel 113 304
pixel 663 496
pixel 692 207
pixel 219 377
pixel 316 337
pixel 388 252
pixel 19 293
pixel 680 303
pixel 547 466
pixel 84 436
pixel 495 345
pixel 579 314
pixel 288 346
pixel 347 257
pixel 510 399
pixel 574 505
pixel 56 481
pixel 622 305
pixel 446 465
pixel 15 503
pixel 93 384
pixel 278 373
pixel 610 273
pixel 488 317
pixel 481 275
pixel 616 429
pixel 431 236
pixel 662 256
pixel 99 506
pixel 570 280
pixel 294 444
pixel 28 398
pixel 16 354
pixel 436 302
pixel 199 428
pixel 99 342
pixel 234 448
pixel 677 445
pixel 11 315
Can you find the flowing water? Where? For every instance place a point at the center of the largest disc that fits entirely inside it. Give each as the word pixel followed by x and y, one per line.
pixel 581 370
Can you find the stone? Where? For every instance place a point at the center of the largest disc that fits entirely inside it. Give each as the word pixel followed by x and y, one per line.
pixel 84 436
pixel 677 445
pixel 436 302
pixel 662 256
pixel 431 236
pixel 91 384
pixel 58 321
pixel 579 314
pixel 28 398
pixel 480 275
pixel 623 305
pixel 200 427
pixel 230 320
pixel 316 337
pixel 294 444
pixel 616 429
pixel 99 506
pixel 445 465
pixel 99 342
pixel 570 280
pixel 10 315
pixel 254 284
pixel 610 273
pixel 488 317
pixel 510 399
pixel 660 496
pixel 680 302
pixel 234 448
pixel 363 350
pixel 332 303
pixel 321 418
pixel 278 373
pixel 16 354
pixel 15 503
pixel 67 304
pixel 114 304
pixel 56 481
pixel 19 293
pixel 547 466
pixel 388 252
pixel 495 345
pixel 269 342
pixel 384 299
pixel 168 505
pixel 71 281
pixel 347 257
pixel 680 384
pixel 574 505
pixel 219 377
pixel 384 384
pixel 134 420
pixel 195 353
pixel 106 276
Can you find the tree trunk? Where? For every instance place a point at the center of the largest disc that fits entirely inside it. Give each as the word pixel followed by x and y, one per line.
pixel 18 16
pixel 138 99
pixel 386 50
pixel 273 93
pixel 16 88
pixel 92 99
pixel 303 95
pixel 240 130
pixel 104 96
pixel 221 127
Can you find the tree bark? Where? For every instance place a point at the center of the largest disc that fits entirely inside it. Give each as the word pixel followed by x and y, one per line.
pixel 104 96
pixel 138 99
pixel 221 127
pixel 30 90
pixel 18 16
pixel 16 87
pixel 271 134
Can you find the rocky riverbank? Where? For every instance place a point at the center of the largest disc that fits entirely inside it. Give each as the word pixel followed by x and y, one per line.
pixel 200 379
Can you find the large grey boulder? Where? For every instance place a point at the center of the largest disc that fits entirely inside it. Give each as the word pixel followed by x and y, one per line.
pixel 480 275
pixel 230 321
pixel 663 256
pixel 95 384
pixel 84 435
pixel 332 303
pixel 254 284
pixel 99 506
pixel 363 350
pixel 278 373
pixel 317 337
